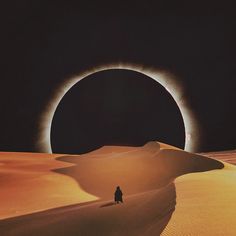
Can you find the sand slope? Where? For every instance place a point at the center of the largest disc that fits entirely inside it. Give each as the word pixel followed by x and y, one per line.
pixel 206 201
pixel 139 215
pixel 145 175
pixel 28 184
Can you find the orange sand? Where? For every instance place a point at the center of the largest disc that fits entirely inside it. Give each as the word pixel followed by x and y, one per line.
pixel 206 201
pixel 196 203
pixel 28 184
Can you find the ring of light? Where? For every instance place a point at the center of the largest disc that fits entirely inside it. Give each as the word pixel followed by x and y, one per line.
pixel 166 79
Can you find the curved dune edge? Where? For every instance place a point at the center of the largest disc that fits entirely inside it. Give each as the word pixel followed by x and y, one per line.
pixel 139 170
pixel 28 184
pixel 205 204
pixel 167 146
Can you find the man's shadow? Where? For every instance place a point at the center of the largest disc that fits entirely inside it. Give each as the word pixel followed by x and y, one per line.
pixel 108 204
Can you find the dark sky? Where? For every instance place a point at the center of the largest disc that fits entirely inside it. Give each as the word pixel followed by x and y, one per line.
pixel 43 43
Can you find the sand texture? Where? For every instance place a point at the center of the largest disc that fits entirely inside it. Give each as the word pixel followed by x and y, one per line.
pixel 166 192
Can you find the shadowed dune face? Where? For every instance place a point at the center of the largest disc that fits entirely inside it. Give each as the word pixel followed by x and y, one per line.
pixel 142 214
pixel 138 170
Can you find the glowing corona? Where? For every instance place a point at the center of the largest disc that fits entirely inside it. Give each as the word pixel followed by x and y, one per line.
pixel 165 78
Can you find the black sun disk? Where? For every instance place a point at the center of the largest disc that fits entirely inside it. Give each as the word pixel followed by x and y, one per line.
pixel 115 107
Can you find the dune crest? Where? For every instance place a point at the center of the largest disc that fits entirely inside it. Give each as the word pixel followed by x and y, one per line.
pixel 145 168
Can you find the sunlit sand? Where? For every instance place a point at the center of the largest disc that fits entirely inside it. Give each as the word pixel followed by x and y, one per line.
pixel 166 192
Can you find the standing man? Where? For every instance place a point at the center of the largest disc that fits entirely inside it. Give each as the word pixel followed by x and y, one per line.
pixel 118 195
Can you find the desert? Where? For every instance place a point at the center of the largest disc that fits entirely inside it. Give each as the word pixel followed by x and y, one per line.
pixel 167 191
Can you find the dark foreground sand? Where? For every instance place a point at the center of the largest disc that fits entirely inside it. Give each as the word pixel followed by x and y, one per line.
pixel 158 197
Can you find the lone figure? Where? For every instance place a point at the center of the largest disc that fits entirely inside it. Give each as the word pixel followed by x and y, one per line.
pixel 118 195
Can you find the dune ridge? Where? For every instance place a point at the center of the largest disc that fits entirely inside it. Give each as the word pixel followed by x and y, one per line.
pixel 206 204
pixel 145 168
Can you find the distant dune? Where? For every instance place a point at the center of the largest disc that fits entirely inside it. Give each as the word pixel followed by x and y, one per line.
pixel 166 192
pixel 227 156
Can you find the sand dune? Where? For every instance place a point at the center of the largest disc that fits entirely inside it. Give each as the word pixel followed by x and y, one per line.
pixel 144 169
pixel 139 215
pixel 205 204
pixel 227 156
pixel 78 191
pixel 28 184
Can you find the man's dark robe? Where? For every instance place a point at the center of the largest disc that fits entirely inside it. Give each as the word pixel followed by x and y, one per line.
pixel 118 195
